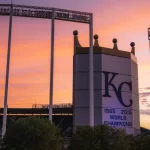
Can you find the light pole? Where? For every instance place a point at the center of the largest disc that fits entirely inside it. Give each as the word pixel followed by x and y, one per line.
pixel 7 73
pixel 52 66
pixel 91 76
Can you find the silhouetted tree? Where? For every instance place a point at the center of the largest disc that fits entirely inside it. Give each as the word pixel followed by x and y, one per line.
pixel 99 138
pixel 140 142
pixel 32 134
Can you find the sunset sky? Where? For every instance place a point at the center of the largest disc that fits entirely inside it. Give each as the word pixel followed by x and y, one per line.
pixel 126 20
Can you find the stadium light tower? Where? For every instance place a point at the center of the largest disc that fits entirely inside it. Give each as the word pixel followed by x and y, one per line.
pixel 53 14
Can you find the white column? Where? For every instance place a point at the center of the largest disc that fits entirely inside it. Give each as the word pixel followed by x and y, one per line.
pixel 7 73
pixel 91 82
pixel 51 67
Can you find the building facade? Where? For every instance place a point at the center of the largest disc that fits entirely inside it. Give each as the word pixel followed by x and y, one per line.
pixel 116 96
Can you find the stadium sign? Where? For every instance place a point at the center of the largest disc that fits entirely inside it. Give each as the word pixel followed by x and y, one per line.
pixel 117 105
pixel 45 13
pixel 108 82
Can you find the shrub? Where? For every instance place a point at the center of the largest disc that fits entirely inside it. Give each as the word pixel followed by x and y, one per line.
pixel 32 134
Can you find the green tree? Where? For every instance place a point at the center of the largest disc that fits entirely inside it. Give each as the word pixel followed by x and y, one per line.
pixel 99 138
pixel 82 139
pixel 140 142
pixel 32 134
pixel 109 138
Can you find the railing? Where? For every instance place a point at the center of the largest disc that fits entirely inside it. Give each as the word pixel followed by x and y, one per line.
pixel 63 105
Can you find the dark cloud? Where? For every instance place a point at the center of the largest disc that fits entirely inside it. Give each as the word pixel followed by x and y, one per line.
pixel 144 94
pixel 148 105
pixel 145 88
pixel 145 112
pixel 144 100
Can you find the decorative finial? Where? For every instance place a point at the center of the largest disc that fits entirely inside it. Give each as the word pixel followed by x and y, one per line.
pixel 114 40
pixel 76 41
pixel 95 36
pixel 132 44
pixel 115 44
pixel 75 32
pixel 96 44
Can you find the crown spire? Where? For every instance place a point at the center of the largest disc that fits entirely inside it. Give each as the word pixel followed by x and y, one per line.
pixel 115 44
pixel 96 44
pixel 132 44
pixel 76 41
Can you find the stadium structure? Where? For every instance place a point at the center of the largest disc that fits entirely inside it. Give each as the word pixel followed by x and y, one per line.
pixel 116 96
pixel 105 80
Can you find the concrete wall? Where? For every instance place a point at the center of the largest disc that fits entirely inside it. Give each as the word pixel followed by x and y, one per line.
pixel 81 89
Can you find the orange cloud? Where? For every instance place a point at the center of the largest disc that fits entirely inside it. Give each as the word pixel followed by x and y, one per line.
pixel 30 54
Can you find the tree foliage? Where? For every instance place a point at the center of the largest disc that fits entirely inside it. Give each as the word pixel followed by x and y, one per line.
pixel 107 138
pixel 32 134
pixel 140 142
pixel 99 138
pixel 39 134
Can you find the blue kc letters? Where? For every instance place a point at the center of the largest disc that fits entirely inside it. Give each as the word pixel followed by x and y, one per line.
pixel 108 82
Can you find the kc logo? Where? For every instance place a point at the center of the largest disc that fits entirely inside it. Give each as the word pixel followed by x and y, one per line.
pixel 108 82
